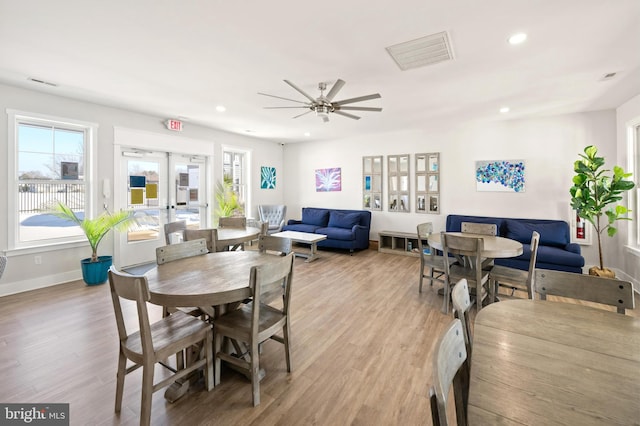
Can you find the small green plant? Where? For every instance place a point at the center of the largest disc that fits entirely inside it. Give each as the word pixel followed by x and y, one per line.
pixel 593 190
pixel 94 229
pixel 227 203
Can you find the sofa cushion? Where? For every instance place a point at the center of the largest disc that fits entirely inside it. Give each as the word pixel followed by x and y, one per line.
pixel 551 234
pixel 341 234
pixel 343 220
pixel 317 217
pixel 301 227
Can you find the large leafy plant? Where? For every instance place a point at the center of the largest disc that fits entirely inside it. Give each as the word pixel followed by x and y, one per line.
pixel 94 229
pixel 595 193
pixel 227 203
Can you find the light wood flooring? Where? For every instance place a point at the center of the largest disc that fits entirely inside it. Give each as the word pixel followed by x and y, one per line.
pixel 362 338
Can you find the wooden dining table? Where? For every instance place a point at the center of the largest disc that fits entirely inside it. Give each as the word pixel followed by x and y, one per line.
pixel 234 237
pixel 494 247
pixel 539 362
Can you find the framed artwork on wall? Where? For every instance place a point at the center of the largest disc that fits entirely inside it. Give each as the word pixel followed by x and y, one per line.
pixel 500 175
pixel 267 177
pixel 329 180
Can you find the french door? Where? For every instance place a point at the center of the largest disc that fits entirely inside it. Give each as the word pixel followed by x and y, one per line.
pixel 159 187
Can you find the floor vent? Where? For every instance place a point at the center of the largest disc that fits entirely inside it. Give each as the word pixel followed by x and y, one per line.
pixel 421 52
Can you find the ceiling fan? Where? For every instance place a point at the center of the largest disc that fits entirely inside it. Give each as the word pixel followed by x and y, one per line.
pixel 324 105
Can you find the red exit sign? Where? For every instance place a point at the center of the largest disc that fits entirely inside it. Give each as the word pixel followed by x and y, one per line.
pixel 175 125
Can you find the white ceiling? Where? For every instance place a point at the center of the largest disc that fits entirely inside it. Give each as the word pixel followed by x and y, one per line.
pixel 175 58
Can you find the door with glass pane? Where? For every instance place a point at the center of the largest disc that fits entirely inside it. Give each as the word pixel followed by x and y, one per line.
pixel 159 188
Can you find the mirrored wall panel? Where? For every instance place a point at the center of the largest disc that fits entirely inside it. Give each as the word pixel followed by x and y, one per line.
pixel 398 174
pixel 428 183
pixel 372 182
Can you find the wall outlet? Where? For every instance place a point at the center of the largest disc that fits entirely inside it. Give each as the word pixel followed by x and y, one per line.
pixel 38 260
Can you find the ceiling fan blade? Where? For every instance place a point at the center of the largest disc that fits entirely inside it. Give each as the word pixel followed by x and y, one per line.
pixel 358 99
pixel 355 108
pixel 285 107
pixel 300 115
pixel 302 92
pixel 335 89
pixel 280 97
pixel 355 117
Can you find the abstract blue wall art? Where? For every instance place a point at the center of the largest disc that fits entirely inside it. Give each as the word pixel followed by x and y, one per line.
pixel 267 177
pixel 500 175
pixel 329 180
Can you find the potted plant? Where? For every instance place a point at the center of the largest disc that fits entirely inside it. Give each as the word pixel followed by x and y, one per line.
pixel 227 203
pixel 94 268
pixel 592 191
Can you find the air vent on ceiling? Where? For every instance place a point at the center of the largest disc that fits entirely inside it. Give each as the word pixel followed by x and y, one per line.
pixel 423 51
pixel 48 83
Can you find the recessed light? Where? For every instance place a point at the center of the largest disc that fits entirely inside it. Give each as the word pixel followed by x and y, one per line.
pixel 220 108
pixel 307 134
pixel 504 109
pixel 517 38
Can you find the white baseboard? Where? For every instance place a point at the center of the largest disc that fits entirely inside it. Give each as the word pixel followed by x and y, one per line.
pixel 624 277
pixel 42 282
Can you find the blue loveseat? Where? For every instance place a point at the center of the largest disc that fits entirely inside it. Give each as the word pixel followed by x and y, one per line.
pixel 555 250
pixel 345 229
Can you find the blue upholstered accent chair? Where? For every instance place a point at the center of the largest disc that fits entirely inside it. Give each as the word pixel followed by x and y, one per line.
pixel 273 215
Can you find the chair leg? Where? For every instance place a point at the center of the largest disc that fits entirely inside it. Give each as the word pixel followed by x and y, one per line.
pixel 208 354
pixel 421 278
pixel 286 331
pixel 255 373
pixel 122 367
pixel 217 338
pixel 447 296
pixel 147 394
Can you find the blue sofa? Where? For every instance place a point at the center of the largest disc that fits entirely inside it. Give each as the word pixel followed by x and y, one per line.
pixel 555 250
pixel 345 229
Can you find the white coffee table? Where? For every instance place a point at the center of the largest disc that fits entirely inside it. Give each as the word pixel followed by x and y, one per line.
pixel 305 238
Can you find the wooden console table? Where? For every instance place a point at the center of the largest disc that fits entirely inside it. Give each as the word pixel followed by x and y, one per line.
pixel 394 242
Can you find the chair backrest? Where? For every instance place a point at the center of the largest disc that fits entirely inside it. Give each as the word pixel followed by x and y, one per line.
pixel 461 300
pixel 281 246
pixel 136 288
pixel 174 228
pixel 424 230
pixel 233 222
pixel 531 275
pixel 468 247
pixel 608 291
pixel 262 226
pixel 173 252
pixel 210 235
pixel 274 214
pixel 479 228
pixel 3 264
pixel 450 367
pixel 269 279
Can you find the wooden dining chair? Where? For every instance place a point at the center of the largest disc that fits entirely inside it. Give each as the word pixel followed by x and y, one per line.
pixel 210 235
pixel 172 228
pixel 461 301
pixel 173 252
pixel 591 288
pixel 257 322
pixel 435 263
pixel 469 251
pixel 232 222
pixel 490 229
pixel 450 368
pixel 154 343
pixel 513 278
pixel 276 245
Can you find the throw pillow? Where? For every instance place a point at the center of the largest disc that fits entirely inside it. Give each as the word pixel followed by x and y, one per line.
pixel 317 217
pixel 343 220
pixel 551 233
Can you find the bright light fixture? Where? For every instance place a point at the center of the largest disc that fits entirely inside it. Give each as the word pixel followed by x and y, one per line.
pixel 220 108
pixel 517 38
pixel 504 109
pixel 307 134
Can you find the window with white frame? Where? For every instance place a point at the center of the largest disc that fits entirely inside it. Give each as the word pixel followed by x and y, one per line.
pixel 233 169
pixel 49 162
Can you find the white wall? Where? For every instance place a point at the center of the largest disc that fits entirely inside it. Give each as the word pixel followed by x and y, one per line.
pixel 63 265
pixel 548 145
pixel 626 114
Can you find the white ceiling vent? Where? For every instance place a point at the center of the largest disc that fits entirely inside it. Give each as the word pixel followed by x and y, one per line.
pixel 422 51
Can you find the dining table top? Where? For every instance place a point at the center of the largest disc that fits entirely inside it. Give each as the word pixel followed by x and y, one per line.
pixel 249 233
pixel 494 247
pixel 547 363
pixel 204 281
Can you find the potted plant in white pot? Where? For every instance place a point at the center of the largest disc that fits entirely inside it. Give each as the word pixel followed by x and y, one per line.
pixel 592 191
pixel 94 268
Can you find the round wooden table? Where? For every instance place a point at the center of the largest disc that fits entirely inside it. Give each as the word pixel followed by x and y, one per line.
pixel 543 362
pixel 494 247
pixel 234 237
pixel 204 281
